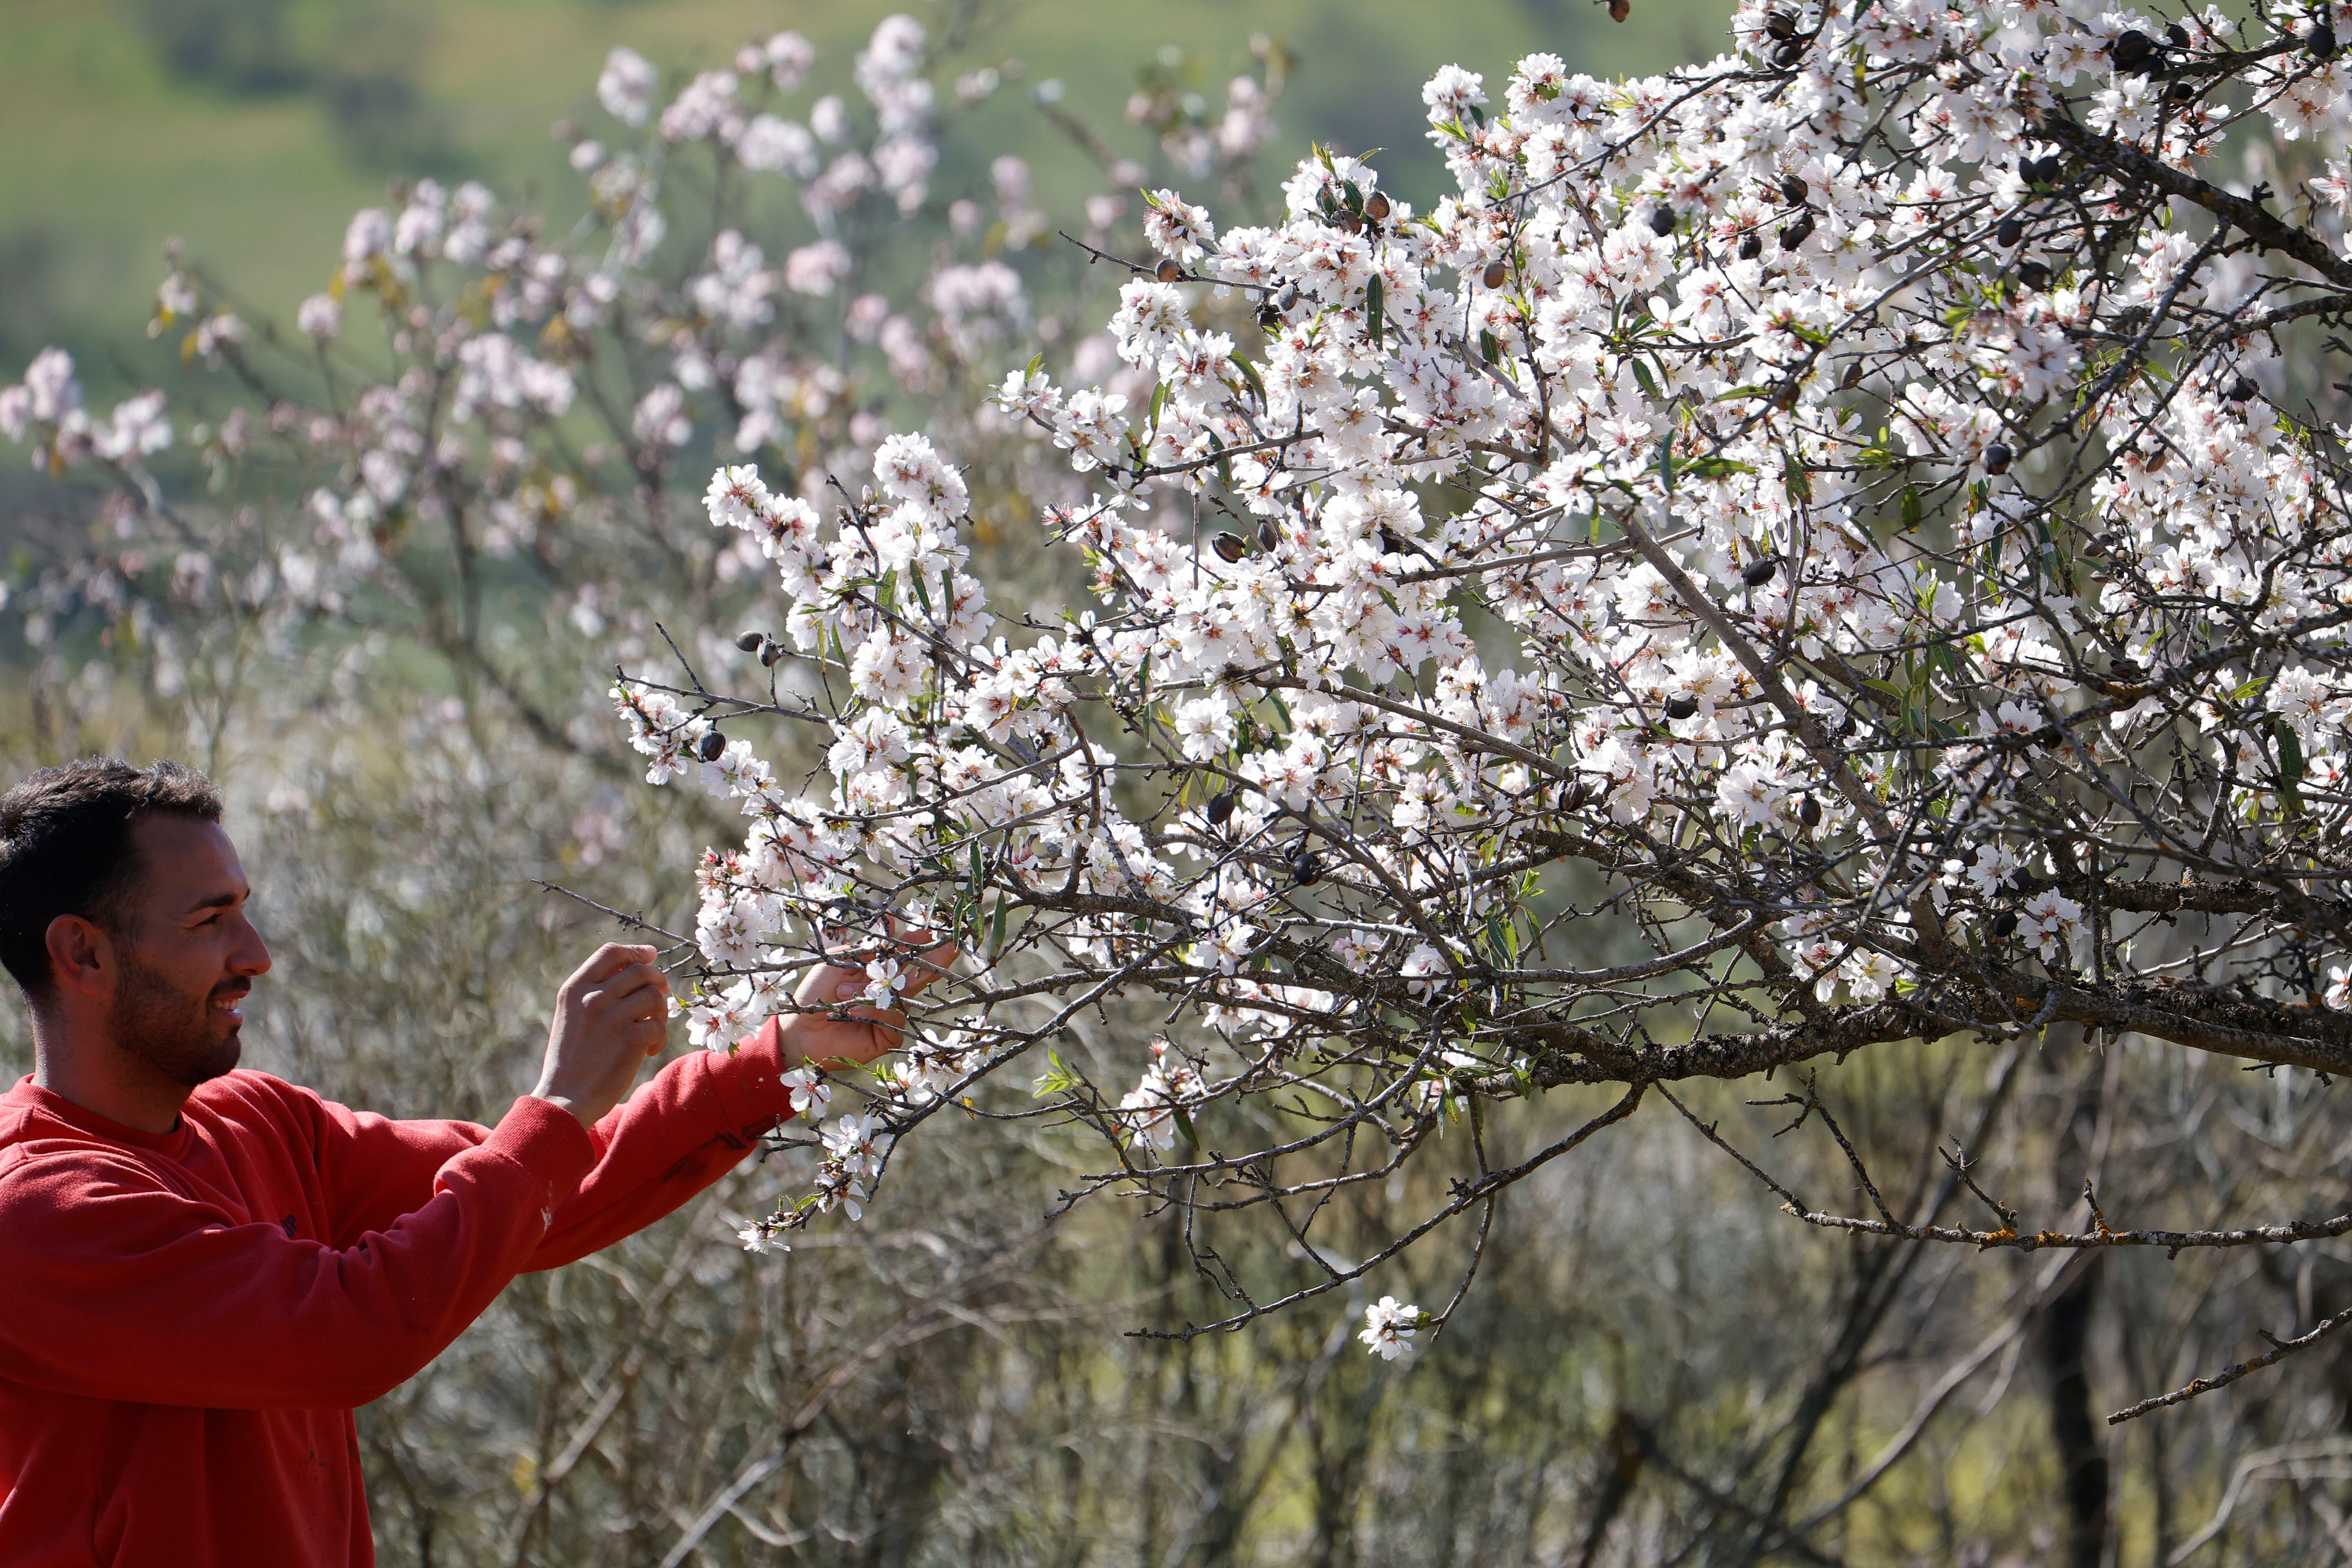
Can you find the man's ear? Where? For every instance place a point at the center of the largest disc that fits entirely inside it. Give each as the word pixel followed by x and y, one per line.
pixel 82 958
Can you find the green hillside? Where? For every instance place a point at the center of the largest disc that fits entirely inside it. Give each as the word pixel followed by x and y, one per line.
pixel 253 128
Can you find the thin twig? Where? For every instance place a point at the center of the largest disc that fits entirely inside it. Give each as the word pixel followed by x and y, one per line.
pixel 2230 1374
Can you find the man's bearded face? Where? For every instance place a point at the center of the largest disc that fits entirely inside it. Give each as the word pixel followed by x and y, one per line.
pixel 187 954
pixel 188 1033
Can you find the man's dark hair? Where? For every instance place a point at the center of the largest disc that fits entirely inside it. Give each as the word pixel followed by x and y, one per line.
pixel 66 849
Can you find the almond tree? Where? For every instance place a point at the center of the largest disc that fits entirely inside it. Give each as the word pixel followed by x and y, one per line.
pixel 1831 550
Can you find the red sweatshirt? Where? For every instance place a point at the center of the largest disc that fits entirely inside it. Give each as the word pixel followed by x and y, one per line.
pixel 187 1320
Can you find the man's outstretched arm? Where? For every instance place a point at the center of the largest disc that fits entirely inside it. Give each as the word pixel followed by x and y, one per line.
pixel 694 1122
pixel 121 1286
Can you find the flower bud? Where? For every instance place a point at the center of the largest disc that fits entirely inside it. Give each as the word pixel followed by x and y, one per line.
pixel 1996 459
pixel 1759 573
pixel 1781 25
pixel 1221 808
pixel 1751 246
pixel 2034 275
pixel 1268 538
pixel 2133 50
pixel 2009 233
pixel 750 641
pixel 1229 547
pixel 2244 389
pixel 2005 922
pixel 1498 273
pixel 1794 235
pixel 1681 705
pixel 2177 35
pixel 1169 273
pixel 1788 54
pixel 1306 867
pixel 1808 811
pixel 772 653
pixel 711 747
pixel 1377 208
pixel 2322 42
pixel 1619 9
pixel 1661 221
pixel 1794 191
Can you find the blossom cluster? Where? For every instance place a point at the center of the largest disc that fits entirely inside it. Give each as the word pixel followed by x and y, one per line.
pixel 1882 563
pixel 546 383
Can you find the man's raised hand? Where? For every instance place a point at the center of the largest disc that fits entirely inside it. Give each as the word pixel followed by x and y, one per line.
pixel 824 1039
pixel 610 1016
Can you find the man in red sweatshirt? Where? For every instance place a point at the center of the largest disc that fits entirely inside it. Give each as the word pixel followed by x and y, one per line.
pixel 203 1269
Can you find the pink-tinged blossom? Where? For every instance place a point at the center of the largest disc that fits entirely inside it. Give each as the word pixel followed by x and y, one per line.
pixel 817 269
pixel 1390 1326
pixel 626 87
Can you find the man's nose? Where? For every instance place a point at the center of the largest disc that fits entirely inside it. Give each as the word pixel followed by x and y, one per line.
pixel 252 954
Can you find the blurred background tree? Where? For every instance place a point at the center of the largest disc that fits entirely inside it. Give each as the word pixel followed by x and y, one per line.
pixel 1652 1366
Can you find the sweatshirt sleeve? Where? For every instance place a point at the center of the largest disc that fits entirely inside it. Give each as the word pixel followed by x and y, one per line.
pixel 678 1133
pixel 681 1130
pixel 120 1288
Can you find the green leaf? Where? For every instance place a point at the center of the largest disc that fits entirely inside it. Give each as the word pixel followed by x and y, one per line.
pixel 1184 1126
pixel 1717 468
pixel 1375 302
pixel 2290 751
pixel 1224 464
pixel 1249 373
pixel 996 929
pixel 1488 349
pixel 1649 383
pixel 1503 937
pixel 1911 511
pixel 1057 1078
pixel 1794 475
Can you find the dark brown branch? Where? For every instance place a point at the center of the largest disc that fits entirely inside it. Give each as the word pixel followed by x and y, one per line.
pixel 2136 167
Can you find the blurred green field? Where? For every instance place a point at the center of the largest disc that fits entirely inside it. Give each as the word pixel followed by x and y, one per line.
pixel 111 150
